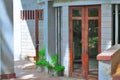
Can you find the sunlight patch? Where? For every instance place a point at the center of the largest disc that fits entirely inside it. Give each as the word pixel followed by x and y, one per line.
pixel 28 76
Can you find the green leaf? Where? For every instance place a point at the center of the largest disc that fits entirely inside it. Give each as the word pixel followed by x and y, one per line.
pixel 42 52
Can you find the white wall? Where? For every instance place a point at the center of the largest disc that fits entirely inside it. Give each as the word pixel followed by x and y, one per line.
pixel 24 31
pixel 17 29
pixel 27 38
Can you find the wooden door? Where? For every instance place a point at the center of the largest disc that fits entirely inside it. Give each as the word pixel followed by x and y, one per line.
pixel 84 40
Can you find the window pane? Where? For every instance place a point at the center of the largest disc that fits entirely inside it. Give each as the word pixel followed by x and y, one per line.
pixel 77 12
pixel 77 46
pixel 119 24
pixel 93 47
pixel 92 12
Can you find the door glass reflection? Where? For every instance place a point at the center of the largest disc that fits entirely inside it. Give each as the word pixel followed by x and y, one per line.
pixel 76 12
pixel 93 46
pixel 77 46
pixel 92 12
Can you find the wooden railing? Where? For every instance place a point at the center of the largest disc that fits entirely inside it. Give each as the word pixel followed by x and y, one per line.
pixel 109 63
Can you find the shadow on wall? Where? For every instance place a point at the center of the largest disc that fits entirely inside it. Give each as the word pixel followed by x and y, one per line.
pixel 7 58
pixel 9 8
pixel 28 38
pixel 6 32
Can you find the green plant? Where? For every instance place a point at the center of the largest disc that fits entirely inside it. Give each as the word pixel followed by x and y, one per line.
pixel 42 61
pixel 54 60
pixel 42 53
pixel 56 67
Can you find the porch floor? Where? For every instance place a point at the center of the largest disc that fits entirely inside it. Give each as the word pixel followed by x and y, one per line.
pixel 26 70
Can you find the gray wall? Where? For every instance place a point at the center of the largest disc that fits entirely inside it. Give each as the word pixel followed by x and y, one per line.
pixel 106 26
pixel 6 36
pixel 51 29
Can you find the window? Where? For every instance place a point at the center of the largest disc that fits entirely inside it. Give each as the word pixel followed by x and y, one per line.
pixel 27 14
pixel 58 23
pixel 31 14
pixel 116 24
pixel 40 14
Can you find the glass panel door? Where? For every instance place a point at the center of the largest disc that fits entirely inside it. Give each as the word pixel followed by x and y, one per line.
pixel 84 40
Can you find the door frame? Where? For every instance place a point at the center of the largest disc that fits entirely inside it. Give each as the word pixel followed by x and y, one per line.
pixel 84 43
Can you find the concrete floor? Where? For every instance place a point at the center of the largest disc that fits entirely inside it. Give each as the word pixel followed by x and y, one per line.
pixel 26 70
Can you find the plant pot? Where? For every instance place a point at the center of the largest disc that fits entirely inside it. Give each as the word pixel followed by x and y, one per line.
pixel 55 74
pixel 40 68
pixel 61 73
pixel 52 73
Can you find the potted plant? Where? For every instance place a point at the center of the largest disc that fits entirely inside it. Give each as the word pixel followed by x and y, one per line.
pixel 54 68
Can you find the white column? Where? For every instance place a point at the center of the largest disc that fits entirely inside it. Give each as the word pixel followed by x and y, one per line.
pixel 65 39
pixel 116 24
pixel 46 30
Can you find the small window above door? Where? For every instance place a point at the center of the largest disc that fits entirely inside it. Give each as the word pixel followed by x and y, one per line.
pixel 92 12
pixel 76 12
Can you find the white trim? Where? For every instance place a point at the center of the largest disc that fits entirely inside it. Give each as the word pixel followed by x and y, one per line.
pixel 84 2
pixel 74 3
pixel 116 24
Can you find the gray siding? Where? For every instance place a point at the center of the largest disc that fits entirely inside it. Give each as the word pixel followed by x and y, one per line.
pixel 51 30
pixel 41 35
pixel 106 26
